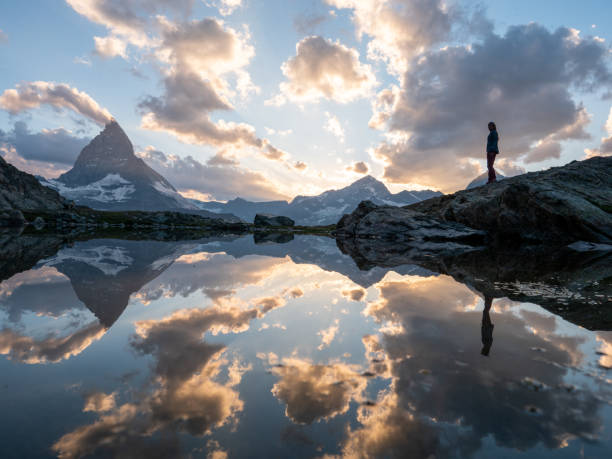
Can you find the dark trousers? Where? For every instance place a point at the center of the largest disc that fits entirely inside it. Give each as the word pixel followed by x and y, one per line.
pixel 490 160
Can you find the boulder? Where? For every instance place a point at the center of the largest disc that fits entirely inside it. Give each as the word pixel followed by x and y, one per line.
pixel 403 225
pixel 272 220
pixel 559 205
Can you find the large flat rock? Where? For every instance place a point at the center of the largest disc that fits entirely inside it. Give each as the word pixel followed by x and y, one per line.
pixel 562 204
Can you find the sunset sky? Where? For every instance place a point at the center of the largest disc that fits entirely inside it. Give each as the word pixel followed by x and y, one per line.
pixel 271 99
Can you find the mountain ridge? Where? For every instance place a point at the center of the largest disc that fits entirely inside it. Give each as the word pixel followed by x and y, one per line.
pixel 325 208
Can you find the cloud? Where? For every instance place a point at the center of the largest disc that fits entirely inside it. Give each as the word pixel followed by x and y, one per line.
pixel 359 167
pixel 221 182
pixel 333 125
pixel 327 335
pixel 357 294
pixel 29 95
pixel 43 168
pixel 110 46
pixel 433 347
pixel 206 47
pixel 439 115
pixel 100 402
pixel 324 69
pixel 227 7
pixel 204 57
pixel 119 16
pixel 52 349
pixel 300 165
pixel 400 29
pixel 43 291
pixel 313 391
pixel 269 303
pixel 182 395
pixel 50 145
pixel 389 430
pixel 605 148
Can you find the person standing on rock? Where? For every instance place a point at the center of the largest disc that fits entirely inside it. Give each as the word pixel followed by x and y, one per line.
pixel 492 150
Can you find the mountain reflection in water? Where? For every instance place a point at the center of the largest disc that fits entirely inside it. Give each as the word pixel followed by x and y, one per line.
pixel 280 347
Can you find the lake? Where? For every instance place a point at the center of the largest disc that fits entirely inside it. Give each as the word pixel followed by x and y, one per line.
pixel 286 347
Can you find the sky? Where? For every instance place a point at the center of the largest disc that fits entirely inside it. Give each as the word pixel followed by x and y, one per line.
pixel 277 98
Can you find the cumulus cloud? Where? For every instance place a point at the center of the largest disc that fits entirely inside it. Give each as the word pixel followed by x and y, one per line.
pixel 267 304
pixel 222 182
pixel 50 145
pixel 400 29
pixel 119 16
pixel 439 115
pixel 314 391
pixel 358 167
pixel 184 393
pixel 356 294
pixel 605 149
pixel 432 347
pixel 30 95
pixel 227 7
pixel 127 19
pixel 206 47
pixel 325 69
pixel 51 349
pixel 110 46
pixel 100 402
pixel 204 57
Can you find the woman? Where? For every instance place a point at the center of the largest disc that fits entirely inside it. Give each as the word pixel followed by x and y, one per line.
pixel 492 150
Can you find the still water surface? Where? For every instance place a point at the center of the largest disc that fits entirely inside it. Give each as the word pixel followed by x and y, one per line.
pixel 227 348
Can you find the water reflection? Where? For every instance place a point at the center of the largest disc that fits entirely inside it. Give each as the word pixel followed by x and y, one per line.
pixel 486 329
pixel 247 347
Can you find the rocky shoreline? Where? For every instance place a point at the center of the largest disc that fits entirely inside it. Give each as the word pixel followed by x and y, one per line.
pixel 555 207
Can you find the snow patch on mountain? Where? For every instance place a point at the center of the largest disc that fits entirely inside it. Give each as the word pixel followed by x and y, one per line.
pixel 111 188
pixel 110 260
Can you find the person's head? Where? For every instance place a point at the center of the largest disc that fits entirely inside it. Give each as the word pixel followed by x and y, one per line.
pixel 492 126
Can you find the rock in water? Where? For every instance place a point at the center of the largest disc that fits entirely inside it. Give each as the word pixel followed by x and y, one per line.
pixel 559 205
pixel 272 220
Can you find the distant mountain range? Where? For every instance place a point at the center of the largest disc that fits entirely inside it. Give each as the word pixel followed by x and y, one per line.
pixel 107 175
pixel 324 209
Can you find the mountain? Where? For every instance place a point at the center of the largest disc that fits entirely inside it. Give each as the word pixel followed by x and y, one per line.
pixel 105 273
pixel 107 175
pixel 326 208
pixel 22 191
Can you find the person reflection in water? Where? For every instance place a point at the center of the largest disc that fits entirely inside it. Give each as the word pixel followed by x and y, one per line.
pixel 486 328
pixel 492 151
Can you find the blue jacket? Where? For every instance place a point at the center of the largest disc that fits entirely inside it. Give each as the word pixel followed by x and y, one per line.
pixel 492 142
